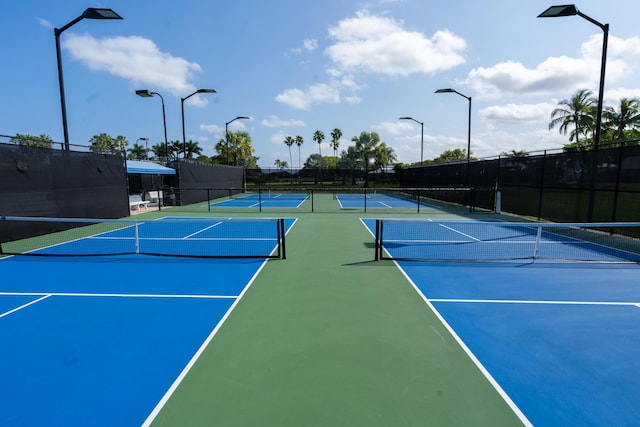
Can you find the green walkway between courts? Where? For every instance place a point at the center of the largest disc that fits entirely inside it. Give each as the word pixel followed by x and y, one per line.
pixel 329 337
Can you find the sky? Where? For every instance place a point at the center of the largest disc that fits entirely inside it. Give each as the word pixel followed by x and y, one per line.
pixel 295 67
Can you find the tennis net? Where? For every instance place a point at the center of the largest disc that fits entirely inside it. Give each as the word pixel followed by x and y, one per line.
pixel 177 237
pixel 469 241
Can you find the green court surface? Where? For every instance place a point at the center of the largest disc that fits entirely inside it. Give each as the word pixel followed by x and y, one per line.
pixel 328 337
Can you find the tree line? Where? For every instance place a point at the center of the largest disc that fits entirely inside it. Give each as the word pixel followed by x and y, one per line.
pixel 368 152
pixel 575 116
pixel 236 148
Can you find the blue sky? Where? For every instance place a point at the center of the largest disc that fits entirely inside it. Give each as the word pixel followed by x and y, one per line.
pixel 295 67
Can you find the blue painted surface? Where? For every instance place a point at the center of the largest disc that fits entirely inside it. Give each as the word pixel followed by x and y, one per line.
pixel 562 340
pixel 112 333
pixel 378 201
pixel 265 200
pixel 79 361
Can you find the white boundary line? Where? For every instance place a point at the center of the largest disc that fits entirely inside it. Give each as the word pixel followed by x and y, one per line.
pixel 541 302
pixel 24 306
pixel 163 401
pixel 106 295
pixel 523 418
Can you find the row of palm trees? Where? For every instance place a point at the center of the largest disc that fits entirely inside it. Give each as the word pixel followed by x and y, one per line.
pixel 577 116
pixel 318 136
pixel 368 151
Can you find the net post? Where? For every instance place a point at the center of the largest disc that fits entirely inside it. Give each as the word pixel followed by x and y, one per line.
pixel 418 199
pixel 365 200
pixel 137 238
pixel 259 199
pixel 377 236
pixel 312 210
pixel 281 237
pixel 208 200
pixel 471 195
pixel 536 246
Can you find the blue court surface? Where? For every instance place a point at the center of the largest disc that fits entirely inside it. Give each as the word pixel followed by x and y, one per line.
pixel 559 341
pixel 101 341
pixel 264 200
pixel 378 201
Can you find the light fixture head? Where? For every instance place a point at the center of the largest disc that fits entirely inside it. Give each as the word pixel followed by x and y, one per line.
pixel 145 93
pixel 100 13
pixel 558 11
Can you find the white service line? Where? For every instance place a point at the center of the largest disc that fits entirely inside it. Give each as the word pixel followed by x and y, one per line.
pixel 24 306
pixel 459 232
pixel 203 230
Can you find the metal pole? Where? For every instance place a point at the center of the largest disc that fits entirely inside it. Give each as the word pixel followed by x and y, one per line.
pixel 63 105
pixel 421 142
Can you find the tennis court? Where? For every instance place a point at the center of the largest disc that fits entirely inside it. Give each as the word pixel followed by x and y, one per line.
pixel 559 340
pixel 264 200
pixel 375 200
pixel 101 339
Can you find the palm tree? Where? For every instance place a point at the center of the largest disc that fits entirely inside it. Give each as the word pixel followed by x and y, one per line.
pixel 192 148
pixel 288 141
pixel 336 134
pixel 175 148
pixel 627 117
pixel 384 156
pixel 42 141
pixel 137 152
pixel 366 145
pixel 318 137
pixel 579 111
pixel 299 141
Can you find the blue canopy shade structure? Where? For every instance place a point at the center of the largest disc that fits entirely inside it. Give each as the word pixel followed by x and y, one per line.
pixel 138 166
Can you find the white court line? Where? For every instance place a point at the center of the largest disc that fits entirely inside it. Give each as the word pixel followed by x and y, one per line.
pixel 203 230
pixel 24 306
pixel 156 410
pixel 459 232
pixel 104 295
pixel 551 302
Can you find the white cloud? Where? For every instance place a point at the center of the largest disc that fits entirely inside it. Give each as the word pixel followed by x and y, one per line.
pixel 276 122
pixel 321 93
pixel 517 113
pixel 295 98
pixel 137 59
pixel 331 92
pixel 396 128
pixel 215 129
pixel 556 74
pixel 380 45
pixel 310 45
pixel 43 22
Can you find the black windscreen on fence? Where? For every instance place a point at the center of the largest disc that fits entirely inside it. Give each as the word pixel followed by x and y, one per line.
pixel 571 186
pixel 195 178
pixel 43 182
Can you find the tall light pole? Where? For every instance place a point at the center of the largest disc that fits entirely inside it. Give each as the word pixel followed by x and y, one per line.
pixel 226 132
pixel 90 13
pixel 570 10
pixel 184 138
pixel 421 137
pixel 449 90
pixel 148 94
pixel 146 147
